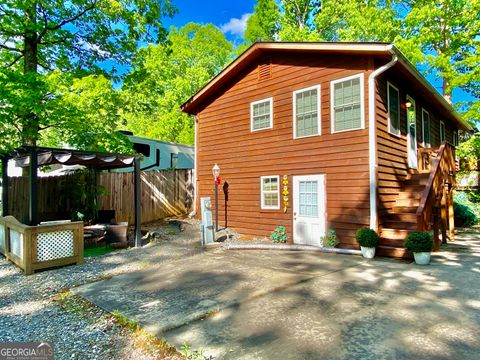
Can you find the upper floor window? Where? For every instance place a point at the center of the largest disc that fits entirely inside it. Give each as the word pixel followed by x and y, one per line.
pixel 261 114
pixel 426 128
pixel 306 110
pixel 455 137
pixel 347 103
pixel 442 132
pixel 270 192
pixel 393 110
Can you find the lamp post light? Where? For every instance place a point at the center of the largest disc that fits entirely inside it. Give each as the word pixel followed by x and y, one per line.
pixel 216 179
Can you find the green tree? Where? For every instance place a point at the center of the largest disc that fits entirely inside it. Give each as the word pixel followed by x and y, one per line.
pixel 263 24
pixel 357 20
pixel 37 37
pixel 443 36
pixel 165 76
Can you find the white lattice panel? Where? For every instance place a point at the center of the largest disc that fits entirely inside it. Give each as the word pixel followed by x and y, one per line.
pixel 2 239
pixel 54 245
pixel 16 243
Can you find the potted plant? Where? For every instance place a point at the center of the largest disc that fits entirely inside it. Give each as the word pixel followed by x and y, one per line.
pixel 368 240
pixel 421 244
pixel 330 239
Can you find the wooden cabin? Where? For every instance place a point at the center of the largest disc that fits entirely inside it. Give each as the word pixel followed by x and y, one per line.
pixel 319 136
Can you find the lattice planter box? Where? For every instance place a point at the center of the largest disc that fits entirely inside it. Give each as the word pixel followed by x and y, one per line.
pixel 39 247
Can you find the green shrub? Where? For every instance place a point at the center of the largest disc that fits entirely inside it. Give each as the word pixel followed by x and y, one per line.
pixel 367 237
pixel 464 215
pixel 330 239
pixel 466 208
pixel 279 235
pixel 420 241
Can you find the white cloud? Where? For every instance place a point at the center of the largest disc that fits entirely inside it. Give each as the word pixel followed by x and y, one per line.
pixel 236 26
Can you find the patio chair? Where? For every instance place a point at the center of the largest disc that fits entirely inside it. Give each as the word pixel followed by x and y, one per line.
pixel 117 233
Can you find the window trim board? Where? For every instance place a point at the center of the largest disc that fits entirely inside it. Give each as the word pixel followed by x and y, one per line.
pixel 361 76
pixel 319 111
pixel 262 205
pixel 270 100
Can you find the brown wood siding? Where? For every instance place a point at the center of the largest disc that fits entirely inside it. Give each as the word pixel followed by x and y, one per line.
pixel 392 150
pixel 224 137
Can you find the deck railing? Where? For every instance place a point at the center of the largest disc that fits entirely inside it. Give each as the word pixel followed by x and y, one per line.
pixel 437 192
pixel 39 247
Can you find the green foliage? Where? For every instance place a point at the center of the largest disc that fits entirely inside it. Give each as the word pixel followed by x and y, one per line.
pixel 466 211
pixel 367 237
pixel 74 38
pixel 165 76
pixel 469 152
pixel 330 240
pixel 263 24
pixel 279 235
pixel 419 241
pixel 190 354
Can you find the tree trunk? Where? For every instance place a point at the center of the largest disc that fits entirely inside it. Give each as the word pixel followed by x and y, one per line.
pixel 447 93
pixel 30 66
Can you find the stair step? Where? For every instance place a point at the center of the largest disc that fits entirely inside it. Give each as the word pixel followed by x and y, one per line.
pixel 410 195
pixel 392 251
pixel 407 202
pixel 414 189
pixel 402 225
pixel 407 217
pixel 418 175
pixel 405 209
pixel 391 242
pixel 394 234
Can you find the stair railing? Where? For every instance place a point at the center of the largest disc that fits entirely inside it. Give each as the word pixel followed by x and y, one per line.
pixel 442 173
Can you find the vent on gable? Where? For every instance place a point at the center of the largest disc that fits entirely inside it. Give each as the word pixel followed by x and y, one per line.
pixel 264 71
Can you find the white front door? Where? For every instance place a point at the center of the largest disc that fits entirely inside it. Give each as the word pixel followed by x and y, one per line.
pixel 412 134
pixel 309 215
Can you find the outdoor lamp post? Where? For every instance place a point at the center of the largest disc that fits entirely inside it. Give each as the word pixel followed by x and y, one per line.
pixel 216 179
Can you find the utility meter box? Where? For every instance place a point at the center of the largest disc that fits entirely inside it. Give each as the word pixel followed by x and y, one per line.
pixel 207 222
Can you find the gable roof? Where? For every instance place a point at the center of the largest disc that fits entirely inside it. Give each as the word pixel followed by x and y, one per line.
pixel 381 50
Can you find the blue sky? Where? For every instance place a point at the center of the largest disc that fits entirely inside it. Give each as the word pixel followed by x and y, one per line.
pixel 231 17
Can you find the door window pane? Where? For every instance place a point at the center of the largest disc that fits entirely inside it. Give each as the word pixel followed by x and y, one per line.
pixel 308 202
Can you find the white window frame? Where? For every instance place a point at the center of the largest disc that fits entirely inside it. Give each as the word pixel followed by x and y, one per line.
pixel 425 145
pixel 362 102
pixel 390 128
pixel 319 111
pixel 270 100
pixel 444 140
pixel 455 137
pixel 263 206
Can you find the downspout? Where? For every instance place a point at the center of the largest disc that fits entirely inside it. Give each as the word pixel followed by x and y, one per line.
pixel 195 167
pixel 372 140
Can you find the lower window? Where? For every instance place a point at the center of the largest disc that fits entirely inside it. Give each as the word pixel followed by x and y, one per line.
pixel 270 192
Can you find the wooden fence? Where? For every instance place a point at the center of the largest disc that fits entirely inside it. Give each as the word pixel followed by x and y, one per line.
pixel 164 193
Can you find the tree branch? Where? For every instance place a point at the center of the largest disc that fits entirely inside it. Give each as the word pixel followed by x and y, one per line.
pixel 15 60
pixel 10 48
pixel 67 21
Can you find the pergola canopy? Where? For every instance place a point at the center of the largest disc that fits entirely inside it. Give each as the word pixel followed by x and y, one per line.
pixel 33 157
pixel 91 159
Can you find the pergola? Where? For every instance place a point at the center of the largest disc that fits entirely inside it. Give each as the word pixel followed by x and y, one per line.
pixel 32 157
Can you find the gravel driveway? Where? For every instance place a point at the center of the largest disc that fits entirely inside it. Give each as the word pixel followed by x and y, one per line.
pixel 31 308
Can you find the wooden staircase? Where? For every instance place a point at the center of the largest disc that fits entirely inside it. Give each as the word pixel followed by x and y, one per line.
pixel 403 218
pixel 419 197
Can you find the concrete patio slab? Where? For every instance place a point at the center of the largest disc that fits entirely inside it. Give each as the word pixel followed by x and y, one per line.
pixel 303 305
